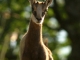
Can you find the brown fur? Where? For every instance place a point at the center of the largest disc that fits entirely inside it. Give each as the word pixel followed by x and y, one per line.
pixel 32 46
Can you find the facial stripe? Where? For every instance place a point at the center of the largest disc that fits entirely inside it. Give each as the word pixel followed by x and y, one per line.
pixel 39 10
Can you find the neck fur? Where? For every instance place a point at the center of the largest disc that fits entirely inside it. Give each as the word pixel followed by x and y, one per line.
pixel 33 38
pixel 35 32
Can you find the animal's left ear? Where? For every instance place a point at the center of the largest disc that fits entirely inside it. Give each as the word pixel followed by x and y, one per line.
pixel 48 2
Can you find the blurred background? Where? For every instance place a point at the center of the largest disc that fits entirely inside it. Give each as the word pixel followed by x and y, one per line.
pixel 61 28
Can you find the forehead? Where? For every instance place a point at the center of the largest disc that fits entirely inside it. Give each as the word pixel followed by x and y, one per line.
pixel 39 4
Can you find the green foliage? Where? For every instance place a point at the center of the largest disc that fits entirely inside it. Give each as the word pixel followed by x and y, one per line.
pixel 14 17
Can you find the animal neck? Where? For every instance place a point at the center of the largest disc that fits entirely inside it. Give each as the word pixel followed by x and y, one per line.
pixel 35 32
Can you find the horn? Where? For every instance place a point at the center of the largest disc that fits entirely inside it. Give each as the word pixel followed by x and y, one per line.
pixel 32 1
pixel 48 2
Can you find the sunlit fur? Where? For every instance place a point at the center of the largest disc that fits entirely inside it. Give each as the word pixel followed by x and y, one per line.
pixel 31 45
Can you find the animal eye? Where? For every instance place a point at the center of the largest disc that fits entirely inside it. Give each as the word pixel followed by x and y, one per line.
pixel 43 13
pixel 32 9
pixel 34 12
pixel 46 10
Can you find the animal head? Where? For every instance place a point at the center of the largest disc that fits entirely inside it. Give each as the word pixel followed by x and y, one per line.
pixel 39 10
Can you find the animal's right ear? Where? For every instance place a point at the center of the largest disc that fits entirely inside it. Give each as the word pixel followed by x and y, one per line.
pixel 48 2
pixel 32 1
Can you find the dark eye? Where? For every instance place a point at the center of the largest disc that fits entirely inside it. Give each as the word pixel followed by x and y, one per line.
pixel 32 9
pixel 34 12
pixel 46 10
pixel 43 13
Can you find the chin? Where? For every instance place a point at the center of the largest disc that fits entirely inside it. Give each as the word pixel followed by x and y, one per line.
pixel 41 21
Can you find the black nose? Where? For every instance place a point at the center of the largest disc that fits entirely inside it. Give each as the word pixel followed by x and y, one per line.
pixel 38 19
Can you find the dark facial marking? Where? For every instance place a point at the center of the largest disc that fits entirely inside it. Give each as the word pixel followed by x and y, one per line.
pixel 34 6
pixel 44 12
pixel 33 11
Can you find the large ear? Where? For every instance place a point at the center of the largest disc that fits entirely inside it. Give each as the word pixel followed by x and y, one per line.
pixel 32 1
pixel 48 2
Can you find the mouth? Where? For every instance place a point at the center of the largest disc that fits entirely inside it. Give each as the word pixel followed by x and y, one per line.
pixel 39 19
